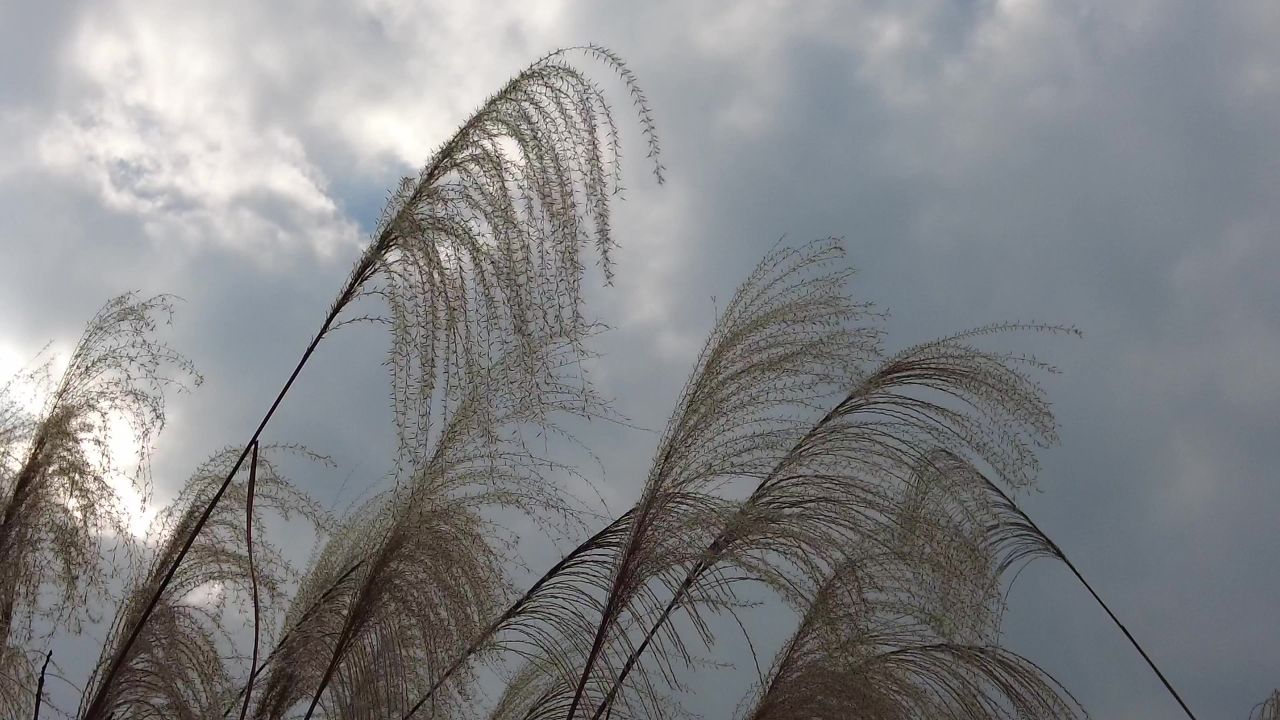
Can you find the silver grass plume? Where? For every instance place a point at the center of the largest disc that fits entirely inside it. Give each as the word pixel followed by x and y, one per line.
pixel 562 584
pixel 179 667
pixel 532 686
pixel 57 501
pixel 429 565
pixel 541 616
pixel 482 251
pixel 842 479
pixel 880 638
pixel 540 690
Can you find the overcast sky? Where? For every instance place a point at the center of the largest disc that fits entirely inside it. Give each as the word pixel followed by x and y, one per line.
pixel 1112 165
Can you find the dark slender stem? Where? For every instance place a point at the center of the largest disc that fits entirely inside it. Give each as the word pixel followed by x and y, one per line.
pixel 612 606
pixel 1057 551
pixel 1132 641
pixel 597 645
pixel 40 685
pixel 253 575
pixel 714 550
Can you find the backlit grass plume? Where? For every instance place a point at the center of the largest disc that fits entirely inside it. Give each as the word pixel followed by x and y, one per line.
pixel 182 665
pixel 57 468
pixel 483 252
pixel 429 563
pixel 856 655
pixel 781 346
pixel 907 625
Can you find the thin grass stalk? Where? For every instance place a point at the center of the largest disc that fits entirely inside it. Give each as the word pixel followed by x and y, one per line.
pixel 253 575
pixel 597 645
pixel 634 657
pixel 343 638
pixel 345 633
pixel 35 715
pixel 1136 645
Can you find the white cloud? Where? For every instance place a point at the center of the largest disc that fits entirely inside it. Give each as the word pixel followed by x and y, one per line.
pixel 167 127
pixel 226 123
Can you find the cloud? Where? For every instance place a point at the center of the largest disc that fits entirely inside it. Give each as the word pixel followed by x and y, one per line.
pixel 224 123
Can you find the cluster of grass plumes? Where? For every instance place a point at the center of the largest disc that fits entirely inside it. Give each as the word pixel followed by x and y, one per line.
pixel 478 261
pixel 870 491
pixel 796 447
pixel 801 458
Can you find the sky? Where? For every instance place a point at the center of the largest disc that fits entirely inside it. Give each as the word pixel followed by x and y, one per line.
pixel 1113 166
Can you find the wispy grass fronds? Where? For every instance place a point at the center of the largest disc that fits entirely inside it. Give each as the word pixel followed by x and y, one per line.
pixel 544 691
pixel 430 563
pixel 181 664
pixel 17 677
pixel 484 251
pixel 541 615
pixel 844 482
pixel 907 627
pixel 57 501
pixel 781 346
